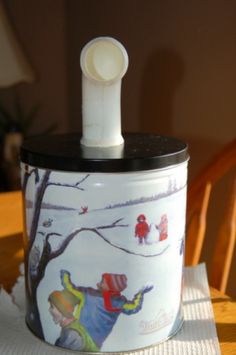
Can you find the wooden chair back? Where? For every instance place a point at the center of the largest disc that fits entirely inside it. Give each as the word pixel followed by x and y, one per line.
pixel 199 193
pixel 11 237
pixel 11 220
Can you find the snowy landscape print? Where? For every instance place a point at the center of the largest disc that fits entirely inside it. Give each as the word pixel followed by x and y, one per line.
pixel 86 224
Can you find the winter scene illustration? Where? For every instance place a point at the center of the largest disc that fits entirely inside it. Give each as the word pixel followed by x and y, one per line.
pixel 151 233
pixel 104 263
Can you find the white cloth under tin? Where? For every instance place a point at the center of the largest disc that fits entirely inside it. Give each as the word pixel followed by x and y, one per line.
pixel 197 337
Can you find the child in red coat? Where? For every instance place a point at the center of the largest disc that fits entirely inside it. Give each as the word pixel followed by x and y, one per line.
pixel 141 228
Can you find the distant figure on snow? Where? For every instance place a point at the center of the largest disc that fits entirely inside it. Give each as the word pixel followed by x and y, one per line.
pixel 141 229
pixel 163 227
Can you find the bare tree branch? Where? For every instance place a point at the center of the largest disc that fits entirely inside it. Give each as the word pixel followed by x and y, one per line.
pixel 83 179
pixel 27 175
pixel 113 225
pixel 36 172
pixel 70 237
pixel 45 182
pixel 50 234
pixel 74 186
pixel 65 185
pixel 45 258
pixel 37 207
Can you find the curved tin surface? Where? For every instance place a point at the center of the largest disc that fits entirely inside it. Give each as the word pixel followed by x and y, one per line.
pixel 104 256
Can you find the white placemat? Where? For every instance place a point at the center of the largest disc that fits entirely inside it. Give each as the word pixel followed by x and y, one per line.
pixel 197 337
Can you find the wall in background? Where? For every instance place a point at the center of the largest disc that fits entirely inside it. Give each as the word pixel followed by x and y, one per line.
pixel 182 75
pixel 41 29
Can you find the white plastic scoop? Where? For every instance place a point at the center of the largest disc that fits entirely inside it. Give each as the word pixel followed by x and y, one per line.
pixel 104 61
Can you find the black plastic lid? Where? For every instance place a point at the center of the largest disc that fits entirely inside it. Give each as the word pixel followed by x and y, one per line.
pixel 139 152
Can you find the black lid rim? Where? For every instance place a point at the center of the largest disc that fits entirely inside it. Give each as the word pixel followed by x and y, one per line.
pixel 131 160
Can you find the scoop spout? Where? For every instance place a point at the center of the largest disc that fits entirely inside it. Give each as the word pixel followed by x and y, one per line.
pixel 104 61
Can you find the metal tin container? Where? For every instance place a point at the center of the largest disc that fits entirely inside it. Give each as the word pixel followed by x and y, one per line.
pixel 104 241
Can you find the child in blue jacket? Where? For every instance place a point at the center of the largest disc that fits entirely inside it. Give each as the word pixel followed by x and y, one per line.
pixel 93 312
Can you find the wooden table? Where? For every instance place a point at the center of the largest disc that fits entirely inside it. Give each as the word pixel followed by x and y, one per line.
pixel 11 255
pixel 225 316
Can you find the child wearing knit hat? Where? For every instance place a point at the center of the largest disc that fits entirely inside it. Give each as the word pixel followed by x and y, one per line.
pixel 64 302
pixel 111 286
pixel 141 229
pixel 87 315
pixel 163 227
pixel 73 335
